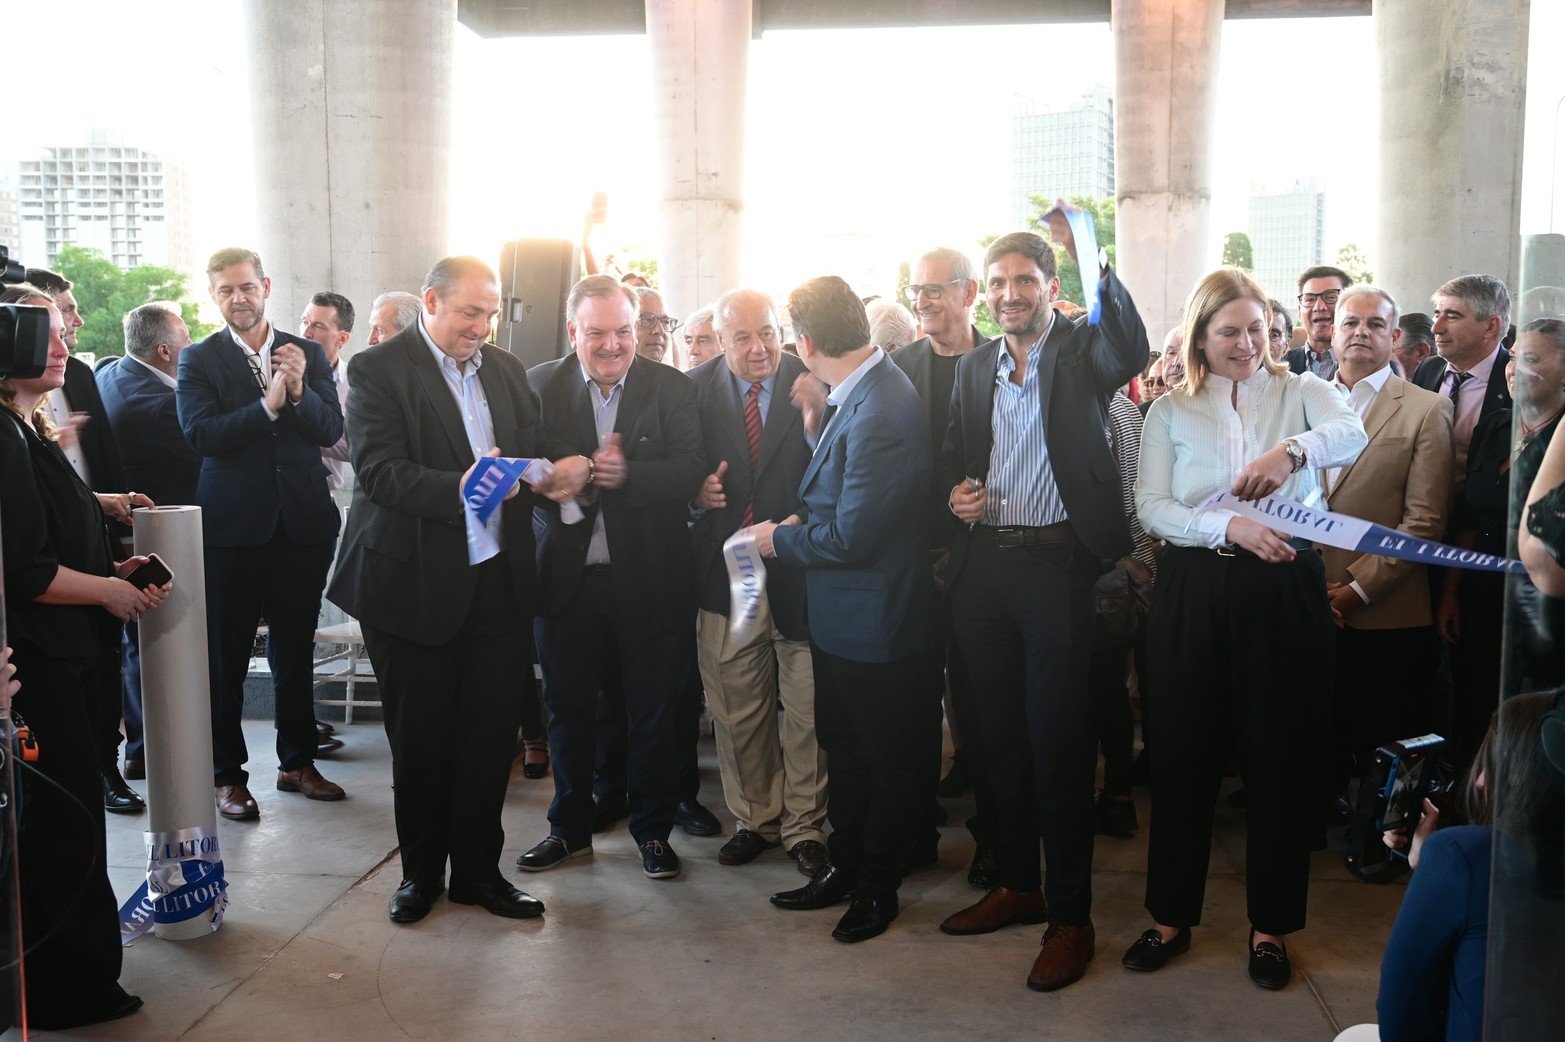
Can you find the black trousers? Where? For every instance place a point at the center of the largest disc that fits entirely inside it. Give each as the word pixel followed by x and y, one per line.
pixel 984 824
pixel 874 721
pixel 281 582
pixel 130 671
pixel 1475 664
pixel 107 700
pixel 577 650
pixel 1113 724
pixel 1225 680
pixel 451 712
pixel 1384 684
pixel 611 766
pixel 1025 619
pixel 65 890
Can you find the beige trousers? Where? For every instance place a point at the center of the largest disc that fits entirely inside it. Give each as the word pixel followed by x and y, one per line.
pixel 774 783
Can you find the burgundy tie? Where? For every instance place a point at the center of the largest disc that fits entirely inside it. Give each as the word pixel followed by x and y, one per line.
pixel 752 434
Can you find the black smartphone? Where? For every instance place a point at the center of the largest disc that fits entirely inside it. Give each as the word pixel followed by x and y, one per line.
pixel 153 573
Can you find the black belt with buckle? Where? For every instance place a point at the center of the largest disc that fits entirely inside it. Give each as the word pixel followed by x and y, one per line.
pixel 1235 550
pixel 1007 536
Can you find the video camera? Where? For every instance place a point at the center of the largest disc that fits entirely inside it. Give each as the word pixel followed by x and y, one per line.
pixel 24 328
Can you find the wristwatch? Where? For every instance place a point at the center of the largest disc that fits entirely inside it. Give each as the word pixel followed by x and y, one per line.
pixel 1295 453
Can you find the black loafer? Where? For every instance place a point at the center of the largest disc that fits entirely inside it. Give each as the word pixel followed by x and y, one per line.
pixel 868 916
pixel 413 900
pixel 119 797
pixel 1151 952
pixel 696 820
pixel 1269 964
pixel 981 873
pixel 743 848
pixel 831 885
pixel 497 898
pixel 551 853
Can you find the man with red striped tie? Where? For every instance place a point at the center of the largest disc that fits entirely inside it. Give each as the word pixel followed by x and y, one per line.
pixel 756 454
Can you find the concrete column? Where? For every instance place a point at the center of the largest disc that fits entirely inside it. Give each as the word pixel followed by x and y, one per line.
pixel 352 114
pixel 1453 80
pixel 1165 60
pixel 699 59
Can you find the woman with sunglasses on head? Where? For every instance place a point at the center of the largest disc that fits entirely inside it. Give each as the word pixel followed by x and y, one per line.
pixel 1244 424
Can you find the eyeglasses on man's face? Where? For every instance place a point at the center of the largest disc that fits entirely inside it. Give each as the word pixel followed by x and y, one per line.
pixel 931 290
pixel 1329 298
pixel 668 323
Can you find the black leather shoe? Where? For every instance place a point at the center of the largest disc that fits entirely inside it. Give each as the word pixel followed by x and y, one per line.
pixel 412 901
pixel 810 854
pixel 1151 952
pixel 551 853
pixel 119 797
pixel 497 898
pixel 696 820
pixel 831 885
pixel 610 809
pixel 110 1004
pixel 323 729
pixel 744 848
pixel 981 873
pixel 1269 964
pixel 658 860
pixel 326 744
pixel 135 770
pixel 868 916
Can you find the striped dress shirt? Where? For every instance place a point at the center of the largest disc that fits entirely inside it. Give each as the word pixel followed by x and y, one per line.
pixel 1022 489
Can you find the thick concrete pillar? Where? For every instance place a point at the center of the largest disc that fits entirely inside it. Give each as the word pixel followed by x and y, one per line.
pixel 699 60
pixel 1165 60
pixel 351 108
pixel 1453 80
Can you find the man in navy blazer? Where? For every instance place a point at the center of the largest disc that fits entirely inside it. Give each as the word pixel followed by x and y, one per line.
pixel 1031 473
pixel 863 542
pixel 138 400
pixel 259 405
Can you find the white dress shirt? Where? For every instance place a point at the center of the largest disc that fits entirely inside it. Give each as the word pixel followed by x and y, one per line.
pixel 265 357
pixel 1195 445
pixel 60 412
pixel 1360 397
pixel 167 380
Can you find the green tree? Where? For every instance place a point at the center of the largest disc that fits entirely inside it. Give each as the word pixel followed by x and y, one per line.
pixel 105 293
pixel 1352 260
pixel 982 317
pixel 1238 252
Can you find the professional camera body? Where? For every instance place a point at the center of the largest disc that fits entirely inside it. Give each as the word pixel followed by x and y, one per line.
pixel 24 329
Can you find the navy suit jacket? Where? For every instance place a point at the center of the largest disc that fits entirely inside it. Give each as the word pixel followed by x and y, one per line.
pixel 784 455
pixel 257 473
pixel 1079 369
pixel 144 418
pixel 1496 396
pixel 864 541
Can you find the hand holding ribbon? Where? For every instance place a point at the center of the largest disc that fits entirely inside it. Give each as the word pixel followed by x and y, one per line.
pixel 1073 228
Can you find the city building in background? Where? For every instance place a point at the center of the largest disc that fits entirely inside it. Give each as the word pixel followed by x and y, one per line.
pixel 1287 234
pixel 129 204
pixel 10 212
pixel 1058 153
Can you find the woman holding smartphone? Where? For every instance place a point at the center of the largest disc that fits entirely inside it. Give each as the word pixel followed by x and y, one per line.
pixel 1240 423
pixel 64 601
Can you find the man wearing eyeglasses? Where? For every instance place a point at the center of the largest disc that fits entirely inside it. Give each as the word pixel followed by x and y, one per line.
pixel 653 327
pixel 942 294
pixel 1319 288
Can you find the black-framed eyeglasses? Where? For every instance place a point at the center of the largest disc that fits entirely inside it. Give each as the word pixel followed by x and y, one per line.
pixel 1329 298
pixel 668 322
pixel 932 290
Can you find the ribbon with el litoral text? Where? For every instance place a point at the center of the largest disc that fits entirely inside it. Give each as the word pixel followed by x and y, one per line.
pixel 1351 533
pixel 1086 235
pixel 746 584
pixel 184 880
pixel 494 477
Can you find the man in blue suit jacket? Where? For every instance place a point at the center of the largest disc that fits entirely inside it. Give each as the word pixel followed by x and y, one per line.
pixel 138 400
pixel 863 543
pixel 259 405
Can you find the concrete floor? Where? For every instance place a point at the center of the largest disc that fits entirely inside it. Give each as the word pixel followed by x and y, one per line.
pixel 307 952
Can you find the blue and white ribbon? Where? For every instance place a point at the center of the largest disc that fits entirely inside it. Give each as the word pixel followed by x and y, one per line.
pixel 746 584
pixel 494 477
pixel 1085 232
pixel 184 880
pixel 1351 533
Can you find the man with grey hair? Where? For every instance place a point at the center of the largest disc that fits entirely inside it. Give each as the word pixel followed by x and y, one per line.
pixel 701 341
pixel 653 326
pixel 890 325
pixel 1174 358
pixel 391 313
pixel 774 779
pixel 1471 314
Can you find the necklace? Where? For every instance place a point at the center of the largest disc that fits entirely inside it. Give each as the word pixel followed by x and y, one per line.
pixel 1527 431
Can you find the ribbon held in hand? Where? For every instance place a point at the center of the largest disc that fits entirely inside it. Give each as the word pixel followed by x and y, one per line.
pixel 1085 232
pixel 746 584
pixel 494 477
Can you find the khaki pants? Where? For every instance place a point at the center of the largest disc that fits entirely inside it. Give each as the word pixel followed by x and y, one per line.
pixel 774 785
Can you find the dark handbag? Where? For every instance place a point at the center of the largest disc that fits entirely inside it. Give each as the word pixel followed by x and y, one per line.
pixel 1123 595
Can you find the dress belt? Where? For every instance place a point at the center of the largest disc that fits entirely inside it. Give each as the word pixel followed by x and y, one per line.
pixel 1007 536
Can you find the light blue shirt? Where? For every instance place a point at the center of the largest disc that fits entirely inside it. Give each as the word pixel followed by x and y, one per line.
pixel 839 394
pixel 764 399
pixel 1022 489
pixel 605 412
pixel 483 540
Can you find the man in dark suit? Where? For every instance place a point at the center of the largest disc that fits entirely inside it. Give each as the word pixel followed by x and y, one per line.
pixel 1029 469
pixel 942 293
pixel 616 585
pixel 862 541
pixel 756 452
pixel 444 599
pixel 259 405
pixel 1471 314
pixel 1319 288
pixel 138 398
pixel 89 445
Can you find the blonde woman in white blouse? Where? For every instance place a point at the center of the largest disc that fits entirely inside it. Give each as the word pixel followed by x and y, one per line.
pixel 1228 587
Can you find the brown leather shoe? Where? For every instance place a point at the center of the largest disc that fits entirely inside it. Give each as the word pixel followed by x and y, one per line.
pixel 1064 957
pixel 235 803
pixel 308 780
pixel 998 908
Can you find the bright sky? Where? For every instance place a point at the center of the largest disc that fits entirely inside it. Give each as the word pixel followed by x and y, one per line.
pixel 852 168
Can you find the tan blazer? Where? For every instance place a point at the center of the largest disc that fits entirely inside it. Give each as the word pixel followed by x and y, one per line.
pixel 1401 480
